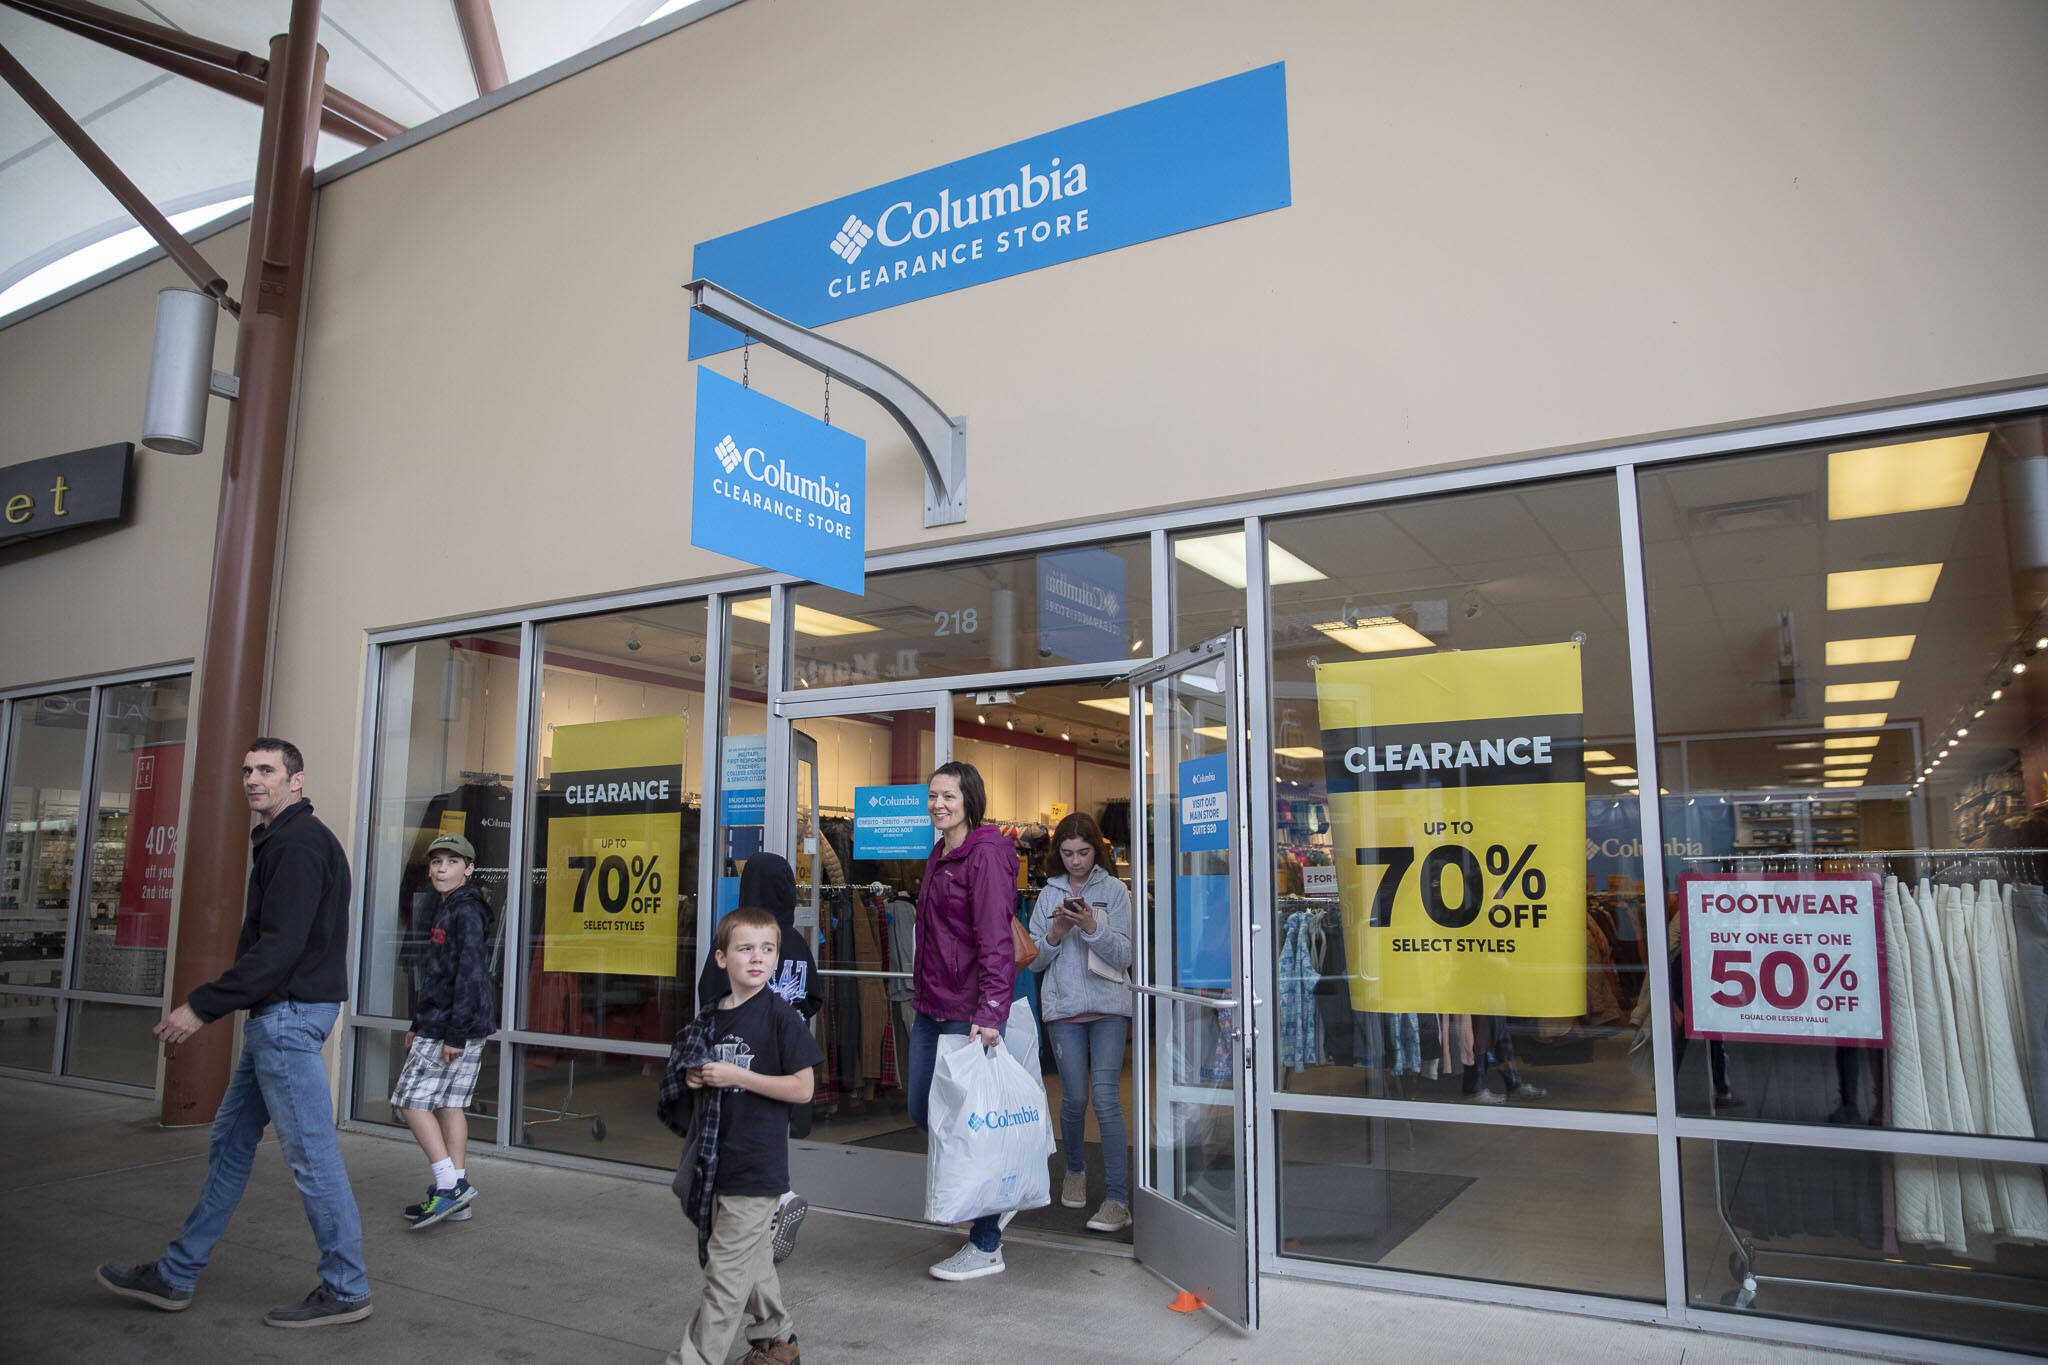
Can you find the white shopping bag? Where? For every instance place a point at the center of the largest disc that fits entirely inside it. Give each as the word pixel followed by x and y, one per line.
pixel 1020 1036
pixel 989 1135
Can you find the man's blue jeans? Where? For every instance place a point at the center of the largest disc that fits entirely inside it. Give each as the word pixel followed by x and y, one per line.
pixel 281 1079
pixel 925 1032
pixel 1091 1062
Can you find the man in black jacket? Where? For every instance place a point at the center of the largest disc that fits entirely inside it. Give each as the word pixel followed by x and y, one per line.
pixel 290 973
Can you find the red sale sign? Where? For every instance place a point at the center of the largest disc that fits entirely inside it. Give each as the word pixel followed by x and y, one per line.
pixel 1785 958
pixel 143 919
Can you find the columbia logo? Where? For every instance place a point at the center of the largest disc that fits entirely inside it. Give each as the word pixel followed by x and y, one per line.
pixel 974 1124
pixel 854 235
pixel 728 454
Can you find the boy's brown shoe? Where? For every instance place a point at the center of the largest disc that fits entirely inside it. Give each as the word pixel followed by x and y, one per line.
pixel 772 1353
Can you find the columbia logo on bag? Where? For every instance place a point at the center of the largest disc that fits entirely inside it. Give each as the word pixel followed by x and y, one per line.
pixel 1001 1118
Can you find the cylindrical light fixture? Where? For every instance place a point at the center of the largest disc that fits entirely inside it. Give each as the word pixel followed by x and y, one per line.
pixel 180 372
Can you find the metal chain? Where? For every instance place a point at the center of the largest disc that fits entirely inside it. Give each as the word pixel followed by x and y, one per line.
pixel 828 398
pixel 746 360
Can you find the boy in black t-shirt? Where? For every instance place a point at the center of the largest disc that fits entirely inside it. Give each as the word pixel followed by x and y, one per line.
pixel 745 1059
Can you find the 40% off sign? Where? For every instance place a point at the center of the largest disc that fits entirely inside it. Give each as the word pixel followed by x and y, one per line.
pixel 1784 958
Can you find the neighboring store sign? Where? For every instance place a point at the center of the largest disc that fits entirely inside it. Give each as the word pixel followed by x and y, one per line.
pixel 743 780
pixel 1318 881
pixel 613 815
pixel 1187 160
pixel 891 822
pixel 1081 615
pixel 1785 958
pixel 1457 798
pixel 775 487
pixel 64 492
pixel 150 863
pixel 1205 804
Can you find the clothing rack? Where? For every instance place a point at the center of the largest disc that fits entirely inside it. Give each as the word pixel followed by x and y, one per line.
pixel 1743 1260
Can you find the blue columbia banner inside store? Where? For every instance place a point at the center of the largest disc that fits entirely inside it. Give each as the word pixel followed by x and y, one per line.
pixel 1187 160
pixel 891 822
pixel 775 487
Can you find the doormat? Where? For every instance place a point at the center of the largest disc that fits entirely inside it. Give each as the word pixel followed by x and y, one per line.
pixel 1357 1214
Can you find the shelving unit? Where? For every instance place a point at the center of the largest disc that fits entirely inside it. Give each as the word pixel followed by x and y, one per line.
pixel 1798 826
pixel 1990 802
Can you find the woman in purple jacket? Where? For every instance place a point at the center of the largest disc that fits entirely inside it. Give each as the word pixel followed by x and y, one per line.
pixel 965 966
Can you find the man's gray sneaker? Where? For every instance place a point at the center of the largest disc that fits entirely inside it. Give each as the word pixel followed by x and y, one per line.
pixel 969 1263
pixel 318 1309
pixel 142 1282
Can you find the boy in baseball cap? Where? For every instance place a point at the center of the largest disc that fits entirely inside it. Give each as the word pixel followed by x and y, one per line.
pixel 456 1010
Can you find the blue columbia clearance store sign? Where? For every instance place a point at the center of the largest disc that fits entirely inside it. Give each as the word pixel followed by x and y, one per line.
pixel 1187 160
pixel 776 487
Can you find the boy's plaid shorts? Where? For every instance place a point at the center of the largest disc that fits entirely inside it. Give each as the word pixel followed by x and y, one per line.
pixel 427 1082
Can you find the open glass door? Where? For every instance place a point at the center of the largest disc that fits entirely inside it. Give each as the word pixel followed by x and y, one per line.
pixel 854 884
pixel 1195 1221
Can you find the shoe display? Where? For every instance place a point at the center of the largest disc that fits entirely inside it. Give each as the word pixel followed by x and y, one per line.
pixel 789 1219
pixel 318 1309
pixel 142 1282
pixel 1074 1190
pixel 772 1353
pixel 969 1263
pixel 1113 1216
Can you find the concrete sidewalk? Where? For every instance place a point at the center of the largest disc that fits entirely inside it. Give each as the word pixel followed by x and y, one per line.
pixel 575 1267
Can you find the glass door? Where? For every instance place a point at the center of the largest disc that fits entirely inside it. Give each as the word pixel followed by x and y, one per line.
pixel 857 834
pixel 1194 1215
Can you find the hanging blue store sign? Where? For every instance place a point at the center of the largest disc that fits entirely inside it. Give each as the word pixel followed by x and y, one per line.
pixel 777 488
pixel 891 822
pixel 1081 613
pixel 1184 161
pixel 743 780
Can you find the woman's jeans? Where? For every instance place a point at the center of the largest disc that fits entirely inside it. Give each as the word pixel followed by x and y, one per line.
pixel 925 1032
pixel 281 1080
pixel 1091 1061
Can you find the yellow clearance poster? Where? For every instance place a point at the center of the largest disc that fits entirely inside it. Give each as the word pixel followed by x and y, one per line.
pixel 1458 804
pixel 614 817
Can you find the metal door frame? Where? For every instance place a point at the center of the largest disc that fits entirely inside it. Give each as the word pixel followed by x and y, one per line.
pixel 1169 1238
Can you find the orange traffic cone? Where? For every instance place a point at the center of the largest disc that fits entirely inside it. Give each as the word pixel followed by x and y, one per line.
pixel 1184 1302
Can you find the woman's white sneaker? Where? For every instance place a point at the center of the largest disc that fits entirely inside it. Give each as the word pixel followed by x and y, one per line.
pixel 969 1263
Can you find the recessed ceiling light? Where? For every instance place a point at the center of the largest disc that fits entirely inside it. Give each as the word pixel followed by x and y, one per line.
pixel 1859 720
pixel 2019 668
pixel 1212 731
pixel 1841 773
pixel 1841 784
pixel 1376 635
pixel 1802 767
pixel 1609 770
pixel 1979 715
pixel 806 620
pixel 1845 760
pixel 1852 741
pixel 1871 649
pixel 1997 692
pixel 1914 476
pixel 1221 556
pixel 1862 691
pixel 1120 705
pixel 1597 756
pixel 1900 586
pixel 1299 751
pixel 1962 730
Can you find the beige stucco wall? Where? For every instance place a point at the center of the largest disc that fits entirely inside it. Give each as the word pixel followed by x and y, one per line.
pixel 1514 228
pixel 124 594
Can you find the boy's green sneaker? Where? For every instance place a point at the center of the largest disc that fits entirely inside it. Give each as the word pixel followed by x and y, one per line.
pixel 436 1207
pixel 464 1193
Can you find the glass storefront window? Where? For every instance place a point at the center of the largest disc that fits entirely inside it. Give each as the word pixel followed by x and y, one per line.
pixel 611 923
pixel 108 1042
pixel 447 716
pixel 1925 1246
pixel 594 1104
pixel 741 813
pixel 1209 575
pixel 1845 640
pixel 38 858
pixel 136 821
pixel 1075 605
pixel 1440 934
pixel 1558 1210
pixel 380 1056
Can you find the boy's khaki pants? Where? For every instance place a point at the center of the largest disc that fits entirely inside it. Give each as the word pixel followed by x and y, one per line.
pixel 740 1284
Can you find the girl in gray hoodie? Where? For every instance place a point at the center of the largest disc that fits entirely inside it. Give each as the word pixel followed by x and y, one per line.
pixel 1082 923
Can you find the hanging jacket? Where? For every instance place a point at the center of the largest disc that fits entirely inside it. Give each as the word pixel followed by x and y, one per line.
pixel 457 1003
pixel 767 882
pixel 965 966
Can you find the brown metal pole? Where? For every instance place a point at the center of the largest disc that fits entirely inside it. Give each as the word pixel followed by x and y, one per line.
pixel 120 186
pixel 214 65
pixel 480 39
pixel 232 669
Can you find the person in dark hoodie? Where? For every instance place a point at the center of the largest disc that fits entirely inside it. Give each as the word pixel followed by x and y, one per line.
pixel 456 1011
pixel 965 963
pixel 767 882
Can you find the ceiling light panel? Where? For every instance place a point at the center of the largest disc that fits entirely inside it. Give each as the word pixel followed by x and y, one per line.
pixel 1839 693
pixel 1904 585
pixel 1376 635
pixel 1872 649
pixel 1221 556
pixel 1859 720
pixel 1914 476
pixel 1852 742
